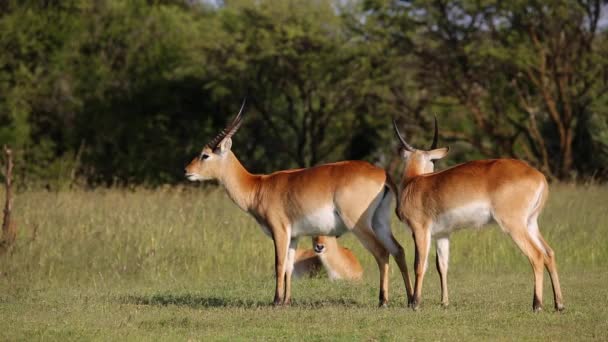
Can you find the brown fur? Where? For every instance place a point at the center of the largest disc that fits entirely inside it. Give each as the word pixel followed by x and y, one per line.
pixel 339 262
pixel 307 263
pixel 279 200
pixel 513 191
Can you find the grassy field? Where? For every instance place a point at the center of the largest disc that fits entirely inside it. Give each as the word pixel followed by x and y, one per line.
pixel 186 264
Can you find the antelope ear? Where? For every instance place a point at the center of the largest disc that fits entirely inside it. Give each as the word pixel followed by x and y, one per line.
pixel 224 146
pixel 438 153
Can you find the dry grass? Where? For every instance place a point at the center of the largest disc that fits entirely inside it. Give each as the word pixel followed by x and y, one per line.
pixel 186 263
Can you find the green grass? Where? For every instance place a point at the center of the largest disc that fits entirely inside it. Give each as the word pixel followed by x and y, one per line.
pixel 187 264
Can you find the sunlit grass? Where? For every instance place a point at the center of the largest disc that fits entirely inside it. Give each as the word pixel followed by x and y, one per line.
pixel 187 263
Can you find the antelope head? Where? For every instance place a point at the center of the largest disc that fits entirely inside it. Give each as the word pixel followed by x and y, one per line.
pixel 322 244
pixel 420 160
pixel 210 163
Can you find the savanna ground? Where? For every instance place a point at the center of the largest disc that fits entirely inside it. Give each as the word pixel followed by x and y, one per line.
pixel 181 264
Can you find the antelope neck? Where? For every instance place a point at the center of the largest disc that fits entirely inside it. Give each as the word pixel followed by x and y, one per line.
pixel 411 171
pixel 238 182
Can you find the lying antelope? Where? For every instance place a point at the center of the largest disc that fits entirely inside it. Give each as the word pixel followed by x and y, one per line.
pixel 506 191
pixel 306 263
pixel 339 262
pixel 328 199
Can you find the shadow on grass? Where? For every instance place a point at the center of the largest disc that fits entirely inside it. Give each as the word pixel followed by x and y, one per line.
pixel 190 300
pixel 195 301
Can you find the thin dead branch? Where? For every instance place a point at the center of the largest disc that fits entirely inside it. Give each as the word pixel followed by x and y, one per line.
pixel 9 230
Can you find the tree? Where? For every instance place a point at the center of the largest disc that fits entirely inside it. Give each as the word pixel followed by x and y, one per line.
pixel 301 72
pixel 525 72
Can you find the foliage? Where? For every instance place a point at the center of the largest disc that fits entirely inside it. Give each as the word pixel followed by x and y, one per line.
pixel 122 92
pixel 296 65
pixel 527 75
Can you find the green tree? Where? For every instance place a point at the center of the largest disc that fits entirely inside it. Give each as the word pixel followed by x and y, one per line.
pixel 525 73
pixel 303 73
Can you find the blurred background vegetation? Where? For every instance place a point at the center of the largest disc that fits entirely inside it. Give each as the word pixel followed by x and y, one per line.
pixel 114 92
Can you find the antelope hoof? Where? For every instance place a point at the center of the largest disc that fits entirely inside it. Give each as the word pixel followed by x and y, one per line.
pixel 537 308
pixel 415 305
pixel 445 305
pixel 559 307
pixel 383 305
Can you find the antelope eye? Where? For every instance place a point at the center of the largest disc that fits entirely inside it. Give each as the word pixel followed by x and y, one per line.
pixel 204 156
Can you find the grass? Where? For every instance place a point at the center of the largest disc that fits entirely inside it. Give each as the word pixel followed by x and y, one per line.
pixel 186 264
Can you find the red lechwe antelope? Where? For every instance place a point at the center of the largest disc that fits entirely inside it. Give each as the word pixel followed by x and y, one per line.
pixel 339 262
pixel 306 264
pixel 506 191
pixel 328 199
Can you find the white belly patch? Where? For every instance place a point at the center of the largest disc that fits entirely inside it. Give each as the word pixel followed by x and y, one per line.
pixel 470 215
pixel 323 221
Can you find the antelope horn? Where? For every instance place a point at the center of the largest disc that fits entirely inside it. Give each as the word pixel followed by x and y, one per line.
pixel 229 131
pixel 405 145
pixel 436 136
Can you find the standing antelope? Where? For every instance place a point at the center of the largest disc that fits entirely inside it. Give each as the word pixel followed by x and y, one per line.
pixel 506 191
pixel 339 262
pixel 328 199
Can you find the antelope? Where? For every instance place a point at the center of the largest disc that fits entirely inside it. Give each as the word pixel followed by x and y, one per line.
pixel 339 262
pixel 506 191
pixel 328 199
pixel 306 263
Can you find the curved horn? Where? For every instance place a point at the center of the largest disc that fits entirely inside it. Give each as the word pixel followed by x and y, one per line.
pixel 236 123
pixel 436 136
pixel 229 131
pixel 405 145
